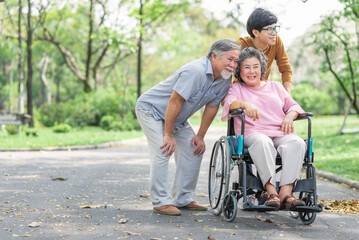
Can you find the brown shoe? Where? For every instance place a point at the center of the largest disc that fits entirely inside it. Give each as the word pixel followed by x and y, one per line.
pixel 167 210
pixel 194 206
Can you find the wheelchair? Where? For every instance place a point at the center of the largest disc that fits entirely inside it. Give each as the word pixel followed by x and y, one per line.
pixel 225 191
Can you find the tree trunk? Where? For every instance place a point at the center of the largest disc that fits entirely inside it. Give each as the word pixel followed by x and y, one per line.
pixel 29 65
pixel 89 47
pixel 21 77
pixel 139 52
pixel 46 93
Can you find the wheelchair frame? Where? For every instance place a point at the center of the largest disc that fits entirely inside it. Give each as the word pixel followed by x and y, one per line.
pixel 228 153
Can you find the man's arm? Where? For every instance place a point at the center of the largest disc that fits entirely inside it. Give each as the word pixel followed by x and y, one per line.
pixel 173 110
pixel 207 118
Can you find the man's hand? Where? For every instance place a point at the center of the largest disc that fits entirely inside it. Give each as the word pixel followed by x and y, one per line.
pixel 252 111
pixel 200 145
pixel 169 145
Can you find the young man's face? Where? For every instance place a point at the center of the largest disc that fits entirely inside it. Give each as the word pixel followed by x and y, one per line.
pixel 268 34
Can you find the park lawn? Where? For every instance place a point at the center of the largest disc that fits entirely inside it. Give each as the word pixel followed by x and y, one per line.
pixel 334 153
pixel 78 136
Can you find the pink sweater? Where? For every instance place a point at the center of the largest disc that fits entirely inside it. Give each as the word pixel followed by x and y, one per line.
pixel 272 101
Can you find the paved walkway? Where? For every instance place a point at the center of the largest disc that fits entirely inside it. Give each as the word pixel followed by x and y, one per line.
pixel 101 194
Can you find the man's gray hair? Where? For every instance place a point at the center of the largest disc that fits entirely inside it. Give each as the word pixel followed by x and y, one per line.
pixel 249 53
pixel 222 46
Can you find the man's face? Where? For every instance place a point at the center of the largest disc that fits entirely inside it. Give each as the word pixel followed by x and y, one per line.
pixel 268 34
pixel 225 64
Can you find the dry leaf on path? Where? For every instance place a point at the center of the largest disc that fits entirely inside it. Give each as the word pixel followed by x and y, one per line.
pixel 132 233
pixel 58 179
pixel 123 220
pixel 91 206
pixel 341 206
pixel 201 194
pixel 34 224
pixel 265 219
pixel 145 195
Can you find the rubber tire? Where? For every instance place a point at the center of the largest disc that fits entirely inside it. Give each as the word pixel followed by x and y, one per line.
pixel 216 177
pixel 307 218
pixel 230 207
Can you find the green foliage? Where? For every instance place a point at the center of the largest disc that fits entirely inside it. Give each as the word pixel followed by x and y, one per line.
pixel 87 109
pixel 314 100
pixel 337 41
pixel 31 132
pixel 62 128
pixel 12 130
pixel 106 121
pixel 50 114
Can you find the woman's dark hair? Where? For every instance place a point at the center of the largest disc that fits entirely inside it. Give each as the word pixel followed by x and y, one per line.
pixel 258 19
pixel 249 53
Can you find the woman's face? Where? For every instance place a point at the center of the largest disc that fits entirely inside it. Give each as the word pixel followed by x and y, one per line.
pixel 251 72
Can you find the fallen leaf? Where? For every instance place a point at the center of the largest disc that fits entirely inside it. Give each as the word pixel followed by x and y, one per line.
pixel 341 206
pixel 88 216
pixel 59 179
pixel 145 195
pixel 34 224
pixel 264 219
pixel 202 195
pixel 91 206
pixel 123 220
pixel 211 238
pixel 132 233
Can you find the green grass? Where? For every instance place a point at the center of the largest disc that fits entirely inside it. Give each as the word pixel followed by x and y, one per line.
pixel 334 153
pixel 84 136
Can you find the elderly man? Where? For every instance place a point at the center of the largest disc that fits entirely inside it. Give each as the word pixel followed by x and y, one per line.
pixel 163 113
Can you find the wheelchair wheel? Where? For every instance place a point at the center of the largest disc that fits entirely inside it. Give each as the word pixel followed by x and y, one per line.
pixel 216 177
pixel 230 207
pixel 308 218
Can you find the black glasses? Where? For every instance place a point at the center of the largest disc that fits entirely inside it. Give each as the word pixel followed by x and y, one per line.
pixel 271 30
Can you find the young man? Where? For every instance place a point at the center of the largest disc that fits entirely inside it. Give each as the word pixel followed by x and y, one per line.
pixel 262 28
pixel 163 113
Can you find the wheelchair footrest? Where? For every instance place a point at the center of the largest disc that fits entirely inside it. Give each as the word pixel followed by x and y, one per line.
pixel 257 208
pixel 316 208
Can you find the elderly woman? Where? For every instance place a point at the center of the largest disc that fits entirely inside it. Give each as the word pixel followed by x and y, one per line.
pixel 270 112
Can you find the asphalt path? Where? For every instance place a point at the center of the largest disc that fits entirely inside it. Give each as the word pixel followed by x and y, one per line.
pixel 102 194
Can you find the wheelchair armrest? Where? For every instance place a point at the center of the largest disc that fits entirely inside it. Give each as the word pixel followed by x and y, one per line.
pixel 305 115
pixel 236 112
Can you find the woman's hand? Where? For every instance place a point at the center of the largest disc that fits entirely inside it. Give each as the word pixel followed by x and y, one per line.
pixel 251 110
pixel 287 123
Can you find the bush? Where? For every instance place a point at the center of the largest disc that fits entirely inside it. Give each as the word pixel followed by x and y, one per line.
pixel 106 122
pixel 31 132
pixel 52 114
pixel 87 109
pixel 314 100
pixel 62 128
pixel 12 130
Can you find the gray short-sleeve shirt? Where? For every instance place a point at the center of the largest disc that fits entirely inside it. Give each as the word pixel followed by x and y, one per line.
pixel 194 82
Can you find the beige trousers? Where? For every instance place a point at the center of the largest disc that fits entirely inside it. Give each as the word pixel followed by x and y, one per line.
pixel 263 151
